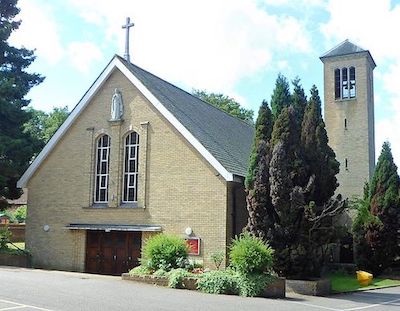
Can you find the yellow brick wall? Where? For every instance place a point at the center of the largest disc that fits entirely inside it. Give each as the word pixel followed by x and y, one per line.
pixel 182 189
pixel 356 143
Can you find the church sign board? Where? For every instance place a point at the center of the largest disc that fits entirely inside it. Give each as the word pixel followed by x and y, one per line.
pixel 194 246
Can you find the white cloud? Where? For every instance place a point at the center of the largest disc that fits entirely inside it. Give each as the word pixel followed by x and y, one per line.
pixel 38 31
pixel 202 44
pixel 83 54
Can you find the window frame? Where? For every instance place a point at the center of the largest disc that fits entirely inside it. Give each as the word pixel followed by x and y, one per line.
pixel 127 173
pixel 98 176
pixel 344 85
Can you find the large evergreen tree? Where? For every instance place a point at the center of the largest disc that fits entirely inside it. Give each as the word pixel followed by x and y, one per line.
pixel 16 147
pixel 382 235
pixel 287 173
pixel 319 156
pixel 280 96
pixel 257 180
pixel 298 99
pixel 263 130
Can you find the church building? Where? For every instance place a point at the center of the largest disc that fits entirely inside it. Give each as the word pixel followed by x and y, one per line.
pixel 138 156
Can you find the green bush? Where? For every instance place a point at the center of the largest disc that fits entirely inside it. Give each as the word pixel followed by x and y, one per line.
pixel 165 252
pixel 5 236
pixel 250 285
pixel 20 214
pixel 176 276
pixel 217 282
pixel 249 255
pixel 217 258
pixel 140 271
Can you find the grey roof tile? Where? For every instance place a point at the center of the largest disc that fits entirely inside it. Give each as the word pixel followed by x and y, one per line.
pixel 227 138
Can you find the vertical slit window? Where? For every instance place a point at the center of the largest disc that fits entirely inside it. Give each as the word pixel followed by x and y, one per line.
pixel 337 84
pixel 345 83
pixel 345 124
pixel 346 164
pixel 102 169
pixel 352 74
pixel 131 165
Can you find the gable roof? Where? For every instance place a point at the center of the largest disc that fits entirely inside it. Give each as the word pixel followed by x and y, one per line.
pixel 346 48
pixel 223 140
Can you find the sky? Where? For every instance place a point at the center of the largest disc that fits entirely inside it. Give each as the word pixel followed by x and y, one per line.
pixel 235 47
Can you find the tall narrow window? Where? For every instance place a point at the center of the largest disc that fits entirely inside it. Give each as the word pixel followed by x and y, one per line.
pixel 346 164
pixel 345 83
pixel 131 168
pixel 102 169
pixel 337 84
pixel 352 74
pixel 345 124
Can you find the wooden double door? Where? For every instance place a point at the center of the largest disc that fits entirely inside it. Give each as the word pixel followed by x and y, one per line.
pixel 112 252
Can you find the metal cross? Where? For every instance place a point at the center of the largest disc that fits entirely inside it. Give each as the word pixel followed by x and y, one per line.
pixel 127 26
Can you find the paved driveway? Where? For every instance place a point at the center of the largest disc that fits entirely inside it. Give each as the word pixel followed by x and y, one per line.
pixel 30 289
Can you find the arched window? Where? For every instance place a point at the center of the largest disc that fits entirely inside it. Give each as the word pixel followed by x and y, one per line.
pixel 352 74
pixel 337 84
pixel 102 169
pixel 345 83
pixel 131 165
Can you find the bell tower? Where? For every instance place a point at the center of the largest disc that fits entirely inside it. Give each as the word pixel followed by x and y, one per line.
pixel 349 114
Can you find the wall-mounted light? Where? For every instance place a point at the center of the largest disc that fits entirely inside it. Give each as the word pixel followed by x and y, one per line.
pixel 188 231
pixel 46 228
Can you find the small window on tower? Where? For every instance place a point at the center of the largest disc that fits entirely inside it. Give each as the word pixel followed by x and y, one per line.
pixel 337 84
pixel 352 72
pixel 345 83
pixel 346 164
pixel 345 124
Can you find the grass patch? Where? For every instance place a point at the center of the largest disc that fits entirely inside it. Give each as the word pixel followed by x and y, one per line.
pixel 342 283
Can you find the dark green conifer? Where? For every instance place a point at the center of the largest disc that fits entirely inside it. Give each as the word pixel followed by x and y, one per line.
pixel 281 96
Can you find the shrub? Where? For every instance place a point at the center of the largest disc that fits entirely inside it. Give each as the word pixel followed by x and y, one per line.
pixel 20 214
pixel 217 282
pixel 165 252
pixel 5 235
pixel 250 285
pixel 176 276
pixel 249 254
pixel 217 258
pixel 139 270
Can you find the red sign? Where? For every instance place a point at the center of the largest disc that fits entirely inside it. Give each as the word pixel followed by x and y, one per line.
pixel 194 246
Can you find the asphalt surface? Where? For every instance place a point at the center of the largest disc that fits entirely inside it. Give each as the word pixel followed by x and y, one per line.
pixel 32 289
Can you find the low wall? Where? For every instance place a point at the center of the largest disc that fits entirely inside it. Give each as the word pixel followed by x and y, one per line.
pixel 17 231
pixel 319 287
pixel 15 260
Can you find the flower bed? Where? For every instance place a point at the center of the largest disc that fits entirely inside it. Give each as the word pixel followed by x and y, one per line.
pixel 275 289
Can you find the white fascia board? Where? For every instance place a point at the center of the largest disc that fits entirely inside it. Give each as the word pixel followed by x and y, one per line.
pixel 116 63
pixel 175 122
pixel 67 124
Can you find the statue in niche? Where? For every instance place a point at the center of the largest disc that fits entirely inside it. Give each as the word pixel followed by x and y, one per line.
pixel 117 106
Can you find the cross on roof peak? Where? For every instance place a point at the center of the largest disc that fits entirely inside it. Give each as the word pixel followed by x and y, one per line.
pixel 127 26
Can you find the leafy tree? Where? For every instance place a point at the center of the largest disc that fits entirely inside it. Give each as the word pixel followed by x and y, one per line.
pixel 298 99
pixel 377 223
pixel 281 97
pixel 319 156
pixel 16 147
pixel 226 104
pixel 42 126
